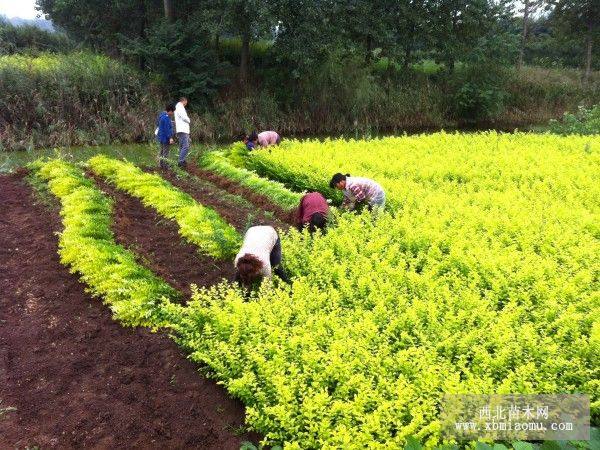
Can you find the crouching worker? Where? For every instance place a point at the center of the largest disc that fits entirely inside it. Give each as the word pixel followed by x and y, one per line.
pixel 359 192
pixel 263 139
pixel 267 138
pixel 251 140
pixel 312 212
pixel 259 257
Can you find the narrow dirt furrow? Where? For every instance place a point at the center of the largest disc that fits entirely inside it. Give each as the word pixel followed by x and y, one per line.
pixel 261 202
pixel 158 245
pixel 235 209
pixel 76 377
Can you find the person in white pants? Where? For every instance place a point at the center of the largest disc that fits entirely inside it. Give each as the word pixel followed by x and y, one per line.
pixel 182 128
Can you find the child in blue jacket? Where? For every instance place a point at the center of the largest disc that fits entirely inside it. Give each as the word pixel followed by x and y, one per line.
pixel 164 135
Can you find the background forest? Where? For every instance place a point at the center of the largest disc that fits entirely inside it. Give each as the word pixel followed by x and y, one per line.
pixel 315 67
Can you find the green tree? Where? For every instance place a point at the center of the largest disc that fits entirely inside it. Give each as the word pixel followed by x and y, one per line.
pixel 529 8
pixel 458 25
pixel 581 19
pixel 246 19
pixel 180 52
pixel 99 25
pixel 174 43
pixel 410 25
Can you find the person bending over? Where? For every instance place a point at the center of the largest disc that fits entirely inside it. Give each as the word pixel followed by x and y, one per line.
pixel 312 212
pixel 359 191
pixel 267 138
pixel 251 140
pixel 263 139
pixel 259 257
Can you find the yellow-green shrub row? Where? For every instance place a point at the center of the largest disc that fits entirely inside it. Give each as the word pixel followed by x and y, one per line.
pixel 278 193
pixel 484 278
pixel 87 246
pixel 198 224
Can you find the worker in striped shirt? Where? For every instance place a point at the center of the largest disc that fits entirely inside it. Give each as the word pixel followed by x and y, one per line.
pixel 359 191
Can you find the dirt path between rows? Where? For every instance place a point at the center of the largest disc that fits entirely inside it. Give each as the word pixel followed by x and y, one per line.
pixel 159 246
pixel 241 214
pixel 76 377
pixel 261 202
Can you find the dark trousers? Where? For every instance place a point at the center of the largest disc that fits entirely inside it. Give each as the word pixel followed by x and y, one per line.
pixel 275 256
pixel 184 146
pixel 163 155
pixel 275 259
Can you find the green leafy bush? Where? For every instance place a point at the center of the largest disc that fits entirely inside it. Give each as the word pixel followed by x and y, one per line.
pixel 483 278
pixel 72 99
pixel 198 224
pixel 87 246
pixel 584 121
pixel 31 39
pixel 186 65
pixel 480 85
pixel 278 193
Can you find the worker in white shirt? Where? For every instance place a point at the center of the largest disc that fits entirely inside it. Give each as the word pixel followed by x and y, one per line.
pixel 182 128
pixel 259 257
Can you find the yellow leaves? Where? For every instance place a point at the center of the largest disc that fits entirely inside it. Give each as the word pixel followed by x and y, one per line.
pixel 482 277
pixel 198 224
pixel 477 280
pixel 87 245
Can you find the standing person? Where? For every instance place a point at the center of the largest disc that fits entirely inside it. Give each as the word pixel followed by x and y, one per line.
pixel 267 138
pixel 312 212
pixel 164 135
pixel 259 257
pixel 359 190
pixel 182 126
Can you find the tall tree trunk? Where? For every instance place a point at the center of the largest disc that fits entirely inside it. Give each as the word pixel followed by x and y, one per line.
pixel 524 35
pixel 369 47
pixel 142 32
pixel 169 12
pixel 245 57
pixel 408 46
pixel 588 59
pixel 218 46
pixel 407 55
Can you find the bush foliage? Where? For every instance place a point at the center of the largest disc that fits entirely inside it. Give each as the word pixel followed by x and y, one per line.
pixel 87 246
pixel 482 278
pixel 584 121
pixel 30 39
pixel 219 163
pixel 73 99
pixel 198 224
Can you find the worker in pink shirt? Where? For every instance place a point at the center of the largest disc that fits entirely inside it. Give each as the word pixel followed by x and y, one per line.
pixel 312 212
pixel 264 139
pixel 267 138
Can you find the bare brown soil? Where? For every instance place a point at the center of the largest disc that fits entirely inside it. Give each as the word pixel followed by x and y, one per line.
pixel 77 378
pixel 260 201
pixel 158 245
pixel 237 214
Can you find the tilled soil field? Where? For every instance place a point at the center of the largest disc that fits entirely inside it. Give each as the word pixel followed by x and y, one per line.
pixel 75 377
